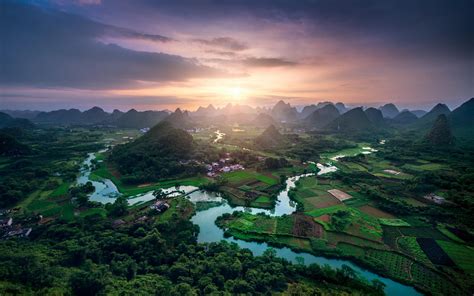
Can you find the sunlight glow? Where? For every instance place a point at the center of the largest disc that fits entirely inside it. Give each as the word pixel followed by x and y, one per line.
pixel 236 93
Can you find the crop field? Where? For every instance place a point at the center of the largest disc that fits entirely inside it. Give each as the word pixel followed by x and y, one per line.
pixel 393 222
pixel 50 203
pixel 328 210
pixel 375 166
pixel 320 201
pixel 410 246
pixel 262 202
pixel 305 226
pixel 249 188
pixel 351 250
pixel 372 211
pixel 254 223
pixel 444 229
pixel 316 199
pixel 462 255
pixel 462 234
pixel 347 152
pixel 361 224
pixel 390 236
pixel 339 194
pixel 247 176
pixel 395 264
pixel 433 281
pixel 61 190
pixel 334 238
pixel 422 232
pixel 401 267
pixel 284 225
pixel 434 252
pixel 420 167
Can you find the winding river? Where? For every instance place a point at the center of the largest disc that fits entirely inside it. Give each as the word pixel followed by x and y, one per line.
pixel 106 192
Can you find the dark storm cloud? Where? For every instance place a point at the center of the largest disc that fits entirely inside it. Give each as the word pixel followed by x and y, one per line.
pixel 50 48
pixel 226 43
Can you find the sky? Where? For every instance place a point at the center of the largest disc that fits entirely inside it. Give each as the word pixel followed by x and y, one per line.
pixel 148 54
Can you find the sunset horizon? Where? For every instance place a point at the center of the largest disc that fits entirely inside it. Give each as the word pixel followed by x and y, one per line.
pixel 164 55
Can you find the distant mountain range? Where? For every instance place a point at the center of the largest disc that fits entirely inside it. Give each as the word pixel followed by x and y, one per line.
pixel 320 116
pixel 93 116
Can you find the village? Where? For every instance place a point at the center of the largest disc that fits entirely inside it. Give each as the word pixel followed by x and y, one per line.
pixel 10 230
pixel 222 166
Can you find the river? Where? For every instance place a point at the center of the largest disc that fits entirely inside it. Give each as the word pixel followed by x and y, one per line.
pixel 106 192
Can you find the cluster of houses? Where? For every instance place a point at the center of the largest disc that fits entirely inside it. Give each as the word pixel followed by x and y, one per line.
pixel 222 166
pixel 160 206
pixel 10 230
pixel 196 130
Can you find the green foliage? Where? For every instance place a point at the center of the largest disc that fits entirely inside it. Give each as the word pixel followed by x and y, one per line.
pixel 341 219
pixel 90 257
pixel 157 154
pixel 275 163
pixel 9 146
pixel 80 193
pixel 440 133
pixel 119 208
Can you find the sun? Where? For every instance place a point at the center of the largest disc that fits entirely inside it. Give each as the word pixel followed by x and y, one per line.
pixel 236 93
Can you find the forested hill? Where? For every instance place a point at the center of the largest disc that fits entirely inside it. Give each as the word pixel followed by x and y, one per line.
pixel 6 121
pixel 159 153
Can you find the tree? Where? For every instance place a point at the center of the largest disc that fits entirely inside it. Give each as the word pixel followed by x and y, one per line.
pixel 159 194
pixel 378 285
pixel 348 272
pixel 119 207
pixel 86 283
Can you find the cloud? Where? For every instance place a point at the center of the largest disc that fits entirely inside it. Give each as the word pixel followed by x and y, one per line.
pixel 222 53
pixel 113 31
pixel 253 62
pixel 226 43
pixel 267 62
pixel 433 27
pixel 46 48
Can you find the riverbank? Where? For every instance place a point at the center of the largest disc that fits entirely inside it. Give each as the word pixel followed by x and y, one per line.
pixel 209 232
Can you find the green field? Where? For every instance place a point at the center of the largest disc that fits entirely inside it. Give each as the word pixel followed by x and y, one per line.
pixel 410 246
pixel 462 255
pixel 393 222
pixel 246 175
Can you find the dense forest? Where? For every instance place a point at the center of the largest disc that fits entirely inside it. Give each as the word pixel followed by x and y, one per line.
pixel 92 257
